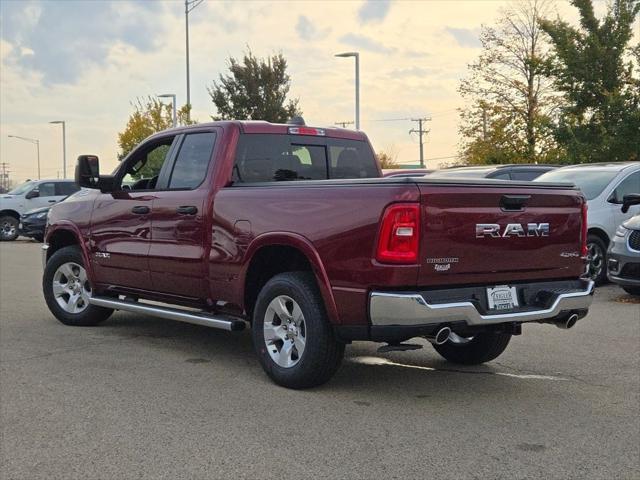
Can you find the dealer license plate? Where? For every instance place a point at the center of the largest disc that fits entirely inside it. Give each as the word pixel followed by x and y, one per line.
pixel 502 297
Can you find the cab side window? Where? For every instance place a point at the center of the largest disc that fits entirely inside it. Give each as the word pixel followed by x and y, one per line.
pixel 143 169
pixel 66 188
pixel 47 189
pixel 192 162
pixel 629 185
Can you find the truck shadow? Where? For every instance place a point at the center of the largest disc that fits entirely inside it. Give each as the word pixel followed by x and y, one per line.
pixel 364 372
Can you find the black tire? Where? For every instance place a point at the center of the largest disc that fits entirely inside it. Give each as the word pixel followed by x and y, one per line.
pixel 632 290
pixel 38 238
pixel 8 228
pixel 91 315
pixel 322 353
pixel 597 250
pixel 484 347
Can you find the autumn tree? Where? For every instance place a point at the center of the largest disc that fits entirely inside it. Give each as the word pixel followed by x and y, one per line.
pixel 510 98
pixel 593 66
pixel 388 159
pixel 255 89
pixel 150 116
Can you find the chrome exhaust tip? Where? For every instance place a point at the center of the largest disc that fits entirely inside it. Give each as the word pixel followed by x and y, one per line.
pixel 569 322
pixel 440 337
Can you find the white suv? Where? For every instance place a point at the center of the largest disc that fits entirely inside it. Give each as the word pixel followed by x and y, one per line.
pixel 604 185
pixel 28 196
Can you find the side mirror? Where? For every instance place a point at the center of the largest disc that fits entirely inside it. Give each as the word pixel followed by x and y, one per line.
pixel 35 193
pixel 628 200
pixel 88 171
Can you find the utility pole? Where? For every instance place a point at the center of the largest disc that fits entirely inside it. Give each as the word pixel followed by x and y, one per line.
pixel 421 133
pixel 188 6
pixel 4 177
pixel 344 124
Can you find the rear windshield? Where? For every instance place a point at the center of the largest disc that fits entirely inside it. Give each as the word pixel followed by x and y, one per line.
pixel 592 181
pixel 274 158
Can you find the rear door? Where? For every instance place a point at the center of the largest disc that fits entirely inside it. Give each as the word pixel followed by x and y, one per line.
pixel 178 222
pixel 488 234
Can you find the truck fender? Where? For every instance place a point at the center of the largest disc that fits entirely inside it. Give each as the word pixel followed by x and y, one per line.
pixel 294 240
pixel 71 228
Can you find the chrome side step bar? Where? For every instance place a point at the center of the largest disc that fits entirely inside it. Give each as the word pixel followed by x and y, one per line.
pixel 224 322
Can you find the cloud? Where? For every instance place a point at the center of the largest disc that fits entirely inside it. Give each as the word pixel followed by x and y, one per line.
pixel 414 71
pixel 365 43
pixel 466 37
pixel 373 10
pixel 416 54
pixel 62 39
pixel 308 31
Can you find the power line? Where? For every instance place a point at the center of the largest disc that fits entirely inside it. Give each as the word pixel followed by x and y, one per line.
pixel 343 124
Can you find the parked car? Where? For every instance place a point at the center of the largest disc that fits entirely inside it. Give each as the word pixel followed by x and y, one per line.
pixel 293 230
pixel 624 252
pixel 604 185
pixel 32 224
pixel 402 172
pixel 29 196
pixel 520 171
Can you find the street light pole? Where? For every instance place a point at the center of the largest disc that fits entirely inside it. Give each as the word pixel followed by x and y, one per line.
pixel 64 146
pixel 36 142
pixel 189 5
pixel 356 55
pixel 173 96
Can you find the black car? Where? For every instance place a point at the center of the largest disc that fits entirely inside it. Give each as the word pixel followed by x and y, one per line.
pixel 522 171
pixel 33 223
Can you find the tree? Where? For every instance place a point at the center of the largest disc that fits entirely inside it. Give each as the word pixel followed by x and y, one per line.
pixel 388 159
pixel 150 116
pixel 256 89
pixel 594 68
pixel 511 98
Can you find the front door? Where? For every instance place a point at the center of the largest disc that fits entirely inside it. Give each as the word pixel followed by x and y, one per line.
pixel 631 184
pixel 121 220
pixel 178 222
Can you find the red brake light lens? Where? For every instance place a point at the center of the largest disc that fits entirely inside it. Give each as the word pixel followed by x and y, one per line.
pixel 399 238
pixel 318 132
pixel 583 233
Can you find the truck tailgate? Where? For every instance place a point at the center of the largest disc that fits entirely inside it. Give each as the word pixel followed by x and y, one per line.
pixel 489 234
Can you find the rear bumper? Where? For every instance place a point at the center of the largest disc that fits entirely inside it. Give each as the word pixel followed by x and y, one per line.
pixel 540 303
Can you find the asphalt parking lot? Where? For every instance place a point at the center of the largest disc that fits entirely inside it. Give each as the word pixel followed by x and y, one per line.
pixel 140 397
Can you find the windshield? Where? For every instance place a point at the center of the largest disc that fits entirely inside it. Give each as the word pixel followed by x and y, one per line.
pixel 25 187
pixel 592 181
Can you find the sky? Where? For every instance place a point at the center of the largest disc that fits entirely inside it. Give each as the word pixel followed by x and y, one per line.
pixel 85 62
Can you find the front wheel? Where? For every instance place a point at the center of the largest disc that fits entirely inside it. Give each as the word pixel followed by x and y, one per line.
pixel 475 350
pixel 596 259
pixel 67 290
pixel 8 228
pixel 291 334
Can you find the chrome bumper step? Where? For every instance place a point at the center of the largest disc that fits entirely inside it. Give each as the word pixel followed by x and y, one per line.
pixel 223 322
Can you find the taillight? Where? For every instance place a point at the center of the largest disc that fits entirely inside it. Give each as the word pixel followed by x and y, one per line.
pixel 318 132
pixel 583 231
pixel 399 237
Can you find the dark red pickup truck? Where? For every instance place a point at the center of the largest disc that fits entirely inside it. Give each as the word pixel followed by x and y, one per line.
pixel 293 230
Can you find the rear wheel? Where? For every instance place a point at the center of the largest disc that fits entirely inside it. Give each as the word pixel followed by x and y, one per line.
pixel 67 290
pixel 8 228
pixel 632 290
pixel 291 334
pixel 596 257
pixel 480 348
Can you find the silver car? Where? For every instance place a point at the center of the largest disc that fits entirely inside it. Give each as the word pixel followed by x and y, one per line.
pixel 623 266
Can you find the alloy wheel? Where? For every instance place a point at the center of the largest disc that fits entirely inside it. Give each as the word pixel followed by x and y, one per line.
pixel 285 331
pixel 595 257
pixel 7 229
pixel 71 287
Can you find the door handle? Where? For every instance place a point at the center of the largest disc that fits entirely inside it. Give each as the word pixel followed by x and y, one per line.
pixel 140 210
pixel 187 210
pixel 52 201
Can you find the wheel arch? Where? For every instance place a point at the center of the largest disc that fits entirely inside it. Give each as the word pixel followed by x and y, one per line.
pixel 10 213
pixel 274 253
pixel 599 232
pixel 67 235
